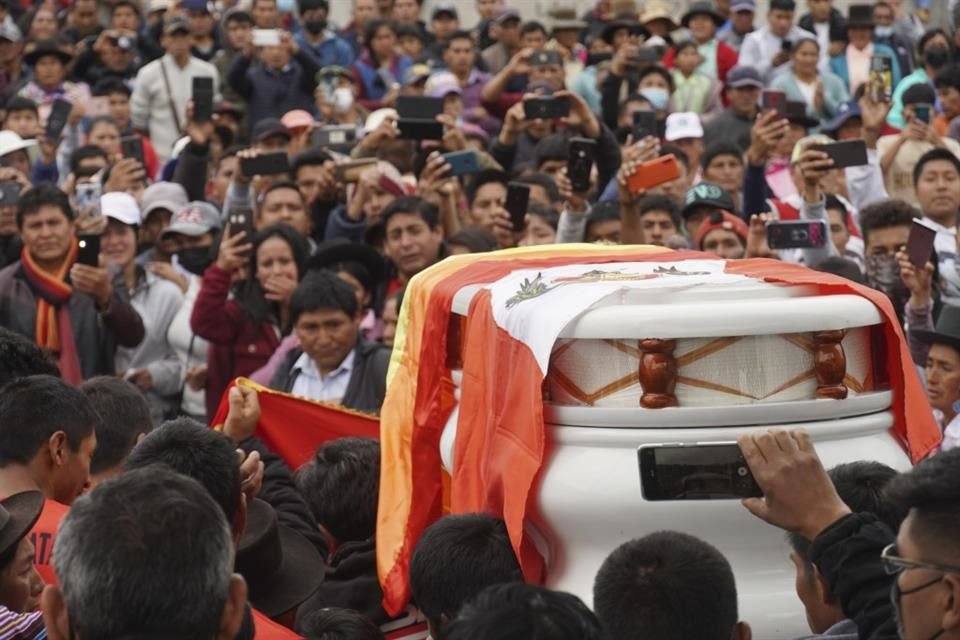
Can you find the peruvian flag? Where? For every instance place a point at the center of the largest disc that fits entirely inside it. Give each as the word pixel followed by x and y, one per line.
pixel 528 296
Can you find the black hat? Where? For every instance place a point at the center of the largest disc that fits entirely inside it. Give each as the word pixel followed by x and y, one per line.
pixel 946 332
pixel 47 48
pixel 626 21
pixel 335 252
pixel 268 128
pixel 861 15
pixel 18 514
pixel 706 194
pixel 702 9
pixel 282 568
pixel 797 114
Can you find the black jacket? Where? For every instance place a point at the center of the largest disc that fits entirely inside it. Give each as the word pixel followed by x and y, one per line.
pixel 838 23
pixel 368 380
pixel 848 557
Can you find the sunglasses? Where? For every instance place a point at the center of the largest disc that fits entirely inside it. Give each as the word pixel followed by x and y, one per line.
pixel 894 564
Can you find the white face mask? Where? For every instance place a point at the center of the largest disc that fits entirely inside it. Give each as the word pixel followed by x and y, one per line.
pixel 342 99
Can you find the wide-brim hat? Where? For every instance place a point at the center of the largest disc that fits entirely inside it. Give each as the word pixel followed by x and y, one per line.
pixel 334 252
pixel 658 11
pixel 18 514
pixel 623 22
pixel 860 15
pixel 947 330
pixel 702 9
pixel 47 48
pixel 282 568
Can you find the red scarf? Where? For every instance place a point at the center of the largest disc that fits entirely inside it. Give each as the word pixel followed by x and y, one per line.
pixel 53 330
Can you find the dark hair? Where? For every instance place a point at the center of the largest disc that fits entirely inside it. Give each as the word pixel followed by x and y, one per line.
pixel 931 156
pixel 802 40
pixel 666 585
pixel 518 611
pixel 337 624
pixel 322 290
pixel 358 270
pixel 145 555
pixel 929 35
pixel 198 452
pixel 532 26
pixel 249 293
pixel 341 485
pixel 920 93
pixel 841 267
pixel 783 5
pixel 860 485
pixel 659 203
pixel 124 415
pixel 678 153
pixel 282 184
pixel 948 77
pixel 20 357
pixel 833 202
pixel 238 16
pixel 111 86
pixel 658 70
pixel 929 492
pixel 886 214
pixel 85 152
pixel 483 178
pixel 371 32
pixel 458 35
pixel 683 45
pixel 44 194
pixel 721 148
pixel 553 147
pixel 605 211
pixel 544 181
pixel 34 408
pixel 456 558
pixel 545 213
pixel 309 158
pixel 476 240
pixel 19 103
pixel 414 206
pixel 102 120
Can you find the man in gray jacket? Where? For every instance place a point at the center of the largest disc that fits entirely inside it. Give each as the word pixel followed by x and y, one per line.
pixel 332 364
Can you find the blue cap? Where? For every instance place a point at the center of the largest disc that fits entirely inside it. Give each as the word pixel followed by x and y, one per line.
pixel 743 5
pixel 196 5
pixel 844 112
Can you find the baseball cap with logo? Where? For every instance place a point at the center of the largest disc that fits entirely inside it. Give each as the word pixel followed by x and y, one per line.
pixel 683 125
pixel 122 207
pixel 195 219
pixel 708 195
pixel 163 195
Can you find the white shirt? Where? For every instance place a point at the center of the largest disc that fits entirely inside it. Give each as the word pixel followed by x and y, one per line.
pixel 762 45
pixel 311 384
pixel 945 244
pixel 951 432
pixel 190 348
pixel 150 103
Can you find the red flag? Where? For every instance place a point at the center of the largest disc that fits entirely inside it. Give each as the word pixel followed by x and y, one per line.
pixel 295 427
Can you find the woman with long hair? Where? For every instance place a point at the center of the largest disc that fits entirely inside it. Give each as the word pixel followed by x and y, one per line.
pixel 380 68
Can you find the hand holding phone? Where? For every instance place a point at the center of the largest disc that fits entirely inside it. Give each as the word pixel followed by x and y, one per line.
pixel 797 234
pixel 708 471
pixel 518 199
pixel 132 147
pixel 88 251
pixel 546 108
pixel 774 100
pixel 580 157
pixel 653 173
pixel 202 99
pixel 265 164
pixel 920 243
pixel 849 153
pixel 57 120
pixel 462 163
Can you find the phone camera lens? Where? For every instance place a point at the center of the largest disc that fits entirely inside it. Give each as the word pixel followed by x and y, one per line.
pixel 742 472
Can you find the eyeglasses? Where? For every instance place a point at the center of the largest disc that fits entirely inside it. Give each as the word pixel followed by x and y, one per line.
pixel 894 564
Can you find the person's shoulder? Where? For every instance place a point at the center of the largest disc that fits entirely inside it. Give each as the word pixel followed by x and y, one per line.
pixel 203 65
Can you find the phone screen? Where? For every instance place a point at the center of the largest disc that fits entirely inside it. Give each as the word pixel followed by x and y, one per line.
pixel 797 234
pixel 57 120
pixel 695 472
pixel 518 199
pixel 920 243
pixel 202 99
pixel 132 147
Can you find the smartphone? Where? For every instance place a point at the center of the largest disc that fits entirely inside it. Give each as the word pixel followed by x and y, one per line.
pixel 351 171
pixel 57 120
pixel 920 243
pixel 546 108
pixel 922 113
pixel 880 78
pixel 241 219
pixel 418 129
pixel 132 147
pixel 644 124
pixel 774 100
pixel 695 472
pixel 9 193
pixel 786 45
pixel 89 250
pixel 849 153
pixel 267 164
pixel 266 37
pixel 657 171
pixel 202 99
pixel 645 57
pixel 518 199
pixel 87 195
pixel 333 135
pixel 462 163
pixel 580 155
pixel 419 107
pixel 797 234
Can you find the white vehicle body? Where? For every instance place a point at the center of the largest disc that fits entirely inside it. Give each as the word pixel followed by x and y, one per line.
pixel 744 363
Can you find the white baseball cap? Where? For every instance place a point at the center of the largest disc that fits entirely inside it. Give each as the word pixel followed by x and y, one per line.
pixel 121 207
pixel 683 125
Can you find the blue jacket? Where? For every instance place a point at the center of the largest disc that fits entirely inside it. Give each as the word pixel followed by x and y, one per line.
pixel 372 86
pixel 838 64
pixel 270 93
pixel 332 50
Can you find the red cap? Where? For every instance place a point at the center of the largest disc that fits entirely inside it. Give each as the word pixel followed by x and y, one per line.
pixel 727 221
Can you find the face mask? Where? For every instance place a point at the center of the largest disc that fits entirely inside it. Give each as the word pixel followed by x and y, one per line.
pixel 883 274
pixel 195 259
pixel 315 26
pixel 342 99
pixel 936 56
pixel 883 32
pixel 896 595
pixel 657 96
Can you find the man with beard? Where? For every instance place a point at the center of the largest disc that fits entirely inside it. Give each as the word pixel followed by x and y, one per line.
pixel 886 227
pixel 317 39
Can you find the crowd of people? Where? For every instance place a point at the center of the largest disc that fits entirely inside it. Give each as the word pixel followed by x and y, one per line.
pixel 193 191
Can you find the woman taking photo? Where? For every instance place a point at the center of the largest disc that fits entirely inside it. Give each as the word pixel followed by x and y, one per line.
pixel 380 69
pixel 245 330
pixel 823 93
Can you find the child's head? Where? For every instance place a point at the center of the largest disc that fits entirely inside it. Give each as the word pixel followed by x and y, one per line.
pixel 342 486
pixel 22 117
pixel 688 57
